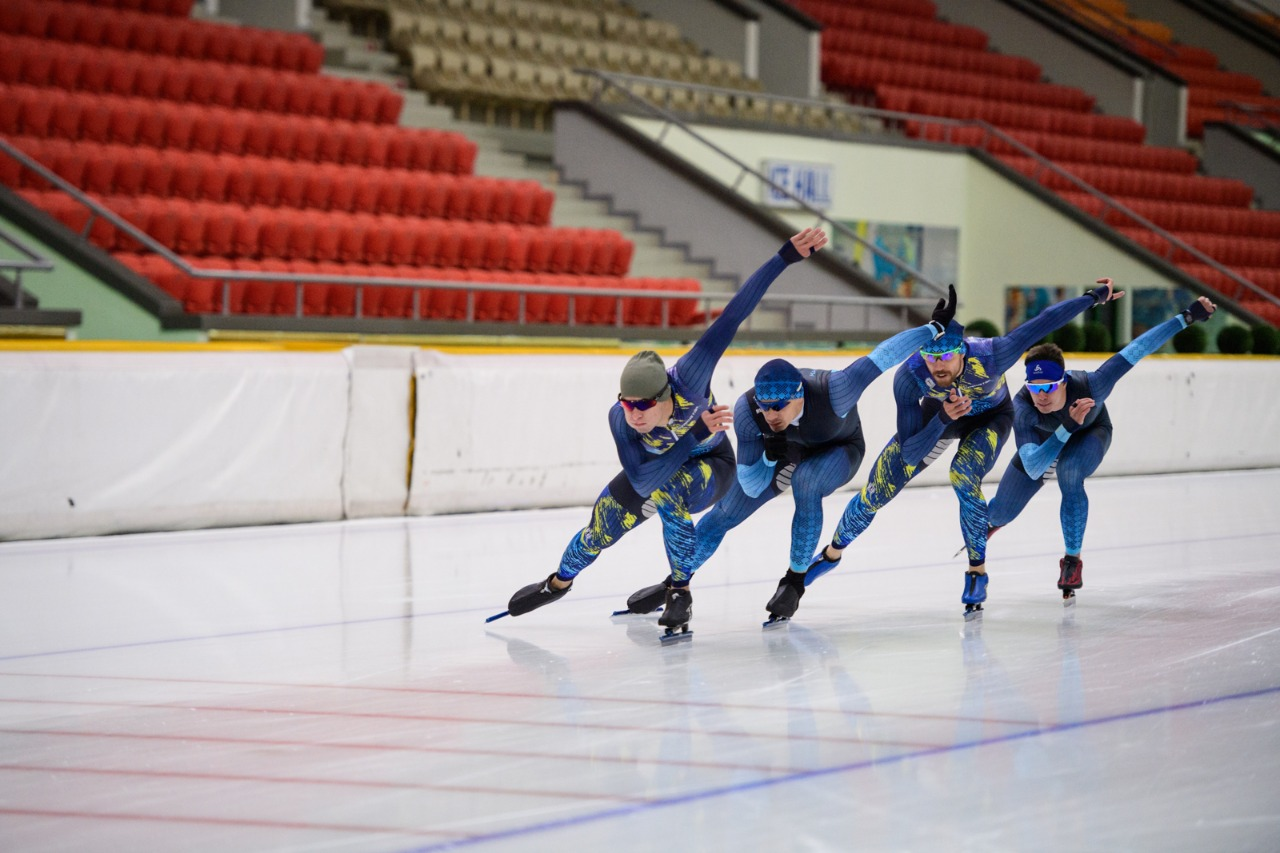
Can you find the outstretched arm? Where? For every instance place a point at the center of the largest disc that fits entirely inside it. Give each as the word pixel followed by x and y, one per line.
pixel 1102 380
pixel 847 385
pixel 696 366
pixel 1008 349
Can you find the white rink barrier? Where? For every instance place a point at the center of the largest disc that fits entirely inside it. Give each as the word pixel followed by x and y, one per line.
pixel 532 430
pixel 94 443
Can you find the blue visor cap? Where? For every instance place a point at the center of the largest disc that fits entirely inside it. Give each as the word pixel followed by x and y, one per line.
pixel 1044 371
pixel 779 380
pixel 952 339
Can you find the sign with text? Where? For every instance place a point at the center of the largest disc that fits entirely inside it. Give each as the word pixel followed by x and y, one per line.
pixel 810 182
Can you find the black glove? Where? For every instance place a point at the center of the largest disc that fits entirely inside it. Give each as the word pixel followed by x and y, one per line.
pixel 944 312
pixel 790 253
pixel 775 446
pixel 1196 312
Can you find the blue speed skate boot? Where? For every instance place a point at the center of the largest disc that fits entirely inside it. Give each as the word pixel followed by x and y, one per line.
pixel 819 566
pixel 975 592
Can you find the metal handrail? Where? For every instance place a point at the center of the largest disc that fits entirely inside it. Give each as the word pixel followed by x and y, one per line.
pixel 31 262
pixel 990 133
pixel 226 276
pixel 612 80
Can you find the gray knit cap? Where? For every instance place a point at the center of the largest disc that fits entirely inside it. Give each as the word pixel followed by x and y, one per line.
pixel 645 377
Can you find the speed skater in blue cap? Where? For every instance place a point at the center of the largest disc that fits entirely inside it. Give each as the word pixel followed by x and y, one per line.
pixel 952 390
pixel 1063 430
pixel 797 429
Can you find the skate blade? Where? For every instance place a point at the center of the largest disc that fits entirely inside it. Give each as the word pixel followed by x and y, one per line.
pixel 975 613
pixel 497 616
pixel 1069 600
pixel 619 614
pixel 672 636
pixel 774 622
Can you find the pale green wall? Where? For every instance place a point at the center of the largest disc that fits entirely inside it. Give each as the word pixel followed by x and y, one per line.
pixel 1007 235
pixel 105 314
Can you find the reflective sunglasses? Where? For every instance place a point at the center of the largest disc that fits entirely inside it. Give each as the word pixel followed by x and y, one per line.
pixel 1043 387
pixel 931 357
pixel 771 405
pixel 643 405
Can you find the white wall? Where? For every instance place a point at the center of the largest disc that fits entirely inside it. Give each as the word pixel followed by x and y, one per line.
pixel 1002 227
pixel 114 442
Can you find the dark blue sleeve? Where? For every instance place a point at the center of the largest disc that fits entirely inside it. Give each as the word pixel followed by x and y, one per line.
pixel 847 385
pixel 915 437
pixel 696 366
pixel 1102 380
pixel 755 472
pixel 648 471
pixel 1008 349
pixel 1036 455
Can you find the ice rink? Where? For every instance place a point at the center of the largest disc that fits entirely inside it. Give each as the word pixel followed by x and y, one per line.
pixel 334 687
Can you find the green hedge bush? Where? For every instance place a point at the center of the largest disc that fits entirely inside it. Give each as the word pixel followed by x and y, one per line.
pixel 1097 337
pixel 1266 340
pixel 981 329
pixel 1234 340
pixel 1192 339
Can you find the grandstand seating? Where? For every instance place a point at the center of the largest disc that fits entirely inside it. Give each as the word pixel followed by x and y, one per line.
pixel 227 147
pixel 1211 92
pixel 896 55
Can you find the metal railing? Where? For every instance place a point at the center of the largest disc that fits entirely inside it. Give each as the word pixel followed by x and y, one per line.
pixel 606 81
pixel 991 139
pixel 30 261
pixel 786 304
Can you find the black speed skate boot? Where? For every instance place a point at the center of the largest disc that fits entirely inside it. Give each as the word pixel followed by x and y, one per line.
pixel 646 600
pixel 536 595
pixel 676 613
pixel 1070 578
pixel 786 599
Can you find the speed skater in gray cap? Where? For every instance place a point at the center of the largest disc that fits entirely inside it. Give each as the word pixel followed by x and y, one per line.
pixel 670 438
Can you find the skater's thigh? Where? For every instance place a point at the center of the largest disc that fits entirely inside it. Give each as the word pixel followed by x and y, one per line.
pixel 824 472
pixel 707 479
pixel 979 448
pixel 620 506
pixel 1083 454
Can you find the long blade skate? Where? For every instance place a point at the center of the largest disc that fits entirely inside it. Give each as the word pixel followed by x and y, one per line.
pixel 678 605
pixel 774 622
pixel 972 612
pixel 675 635
pixel 626 612
pixel 497 616
pixel 1068 598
